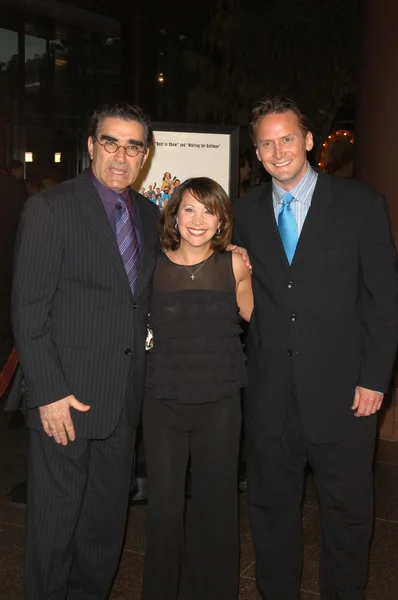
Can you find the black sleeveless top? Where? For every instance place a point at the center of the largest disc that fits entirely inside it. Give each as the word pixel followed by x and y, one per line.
pixel 197 356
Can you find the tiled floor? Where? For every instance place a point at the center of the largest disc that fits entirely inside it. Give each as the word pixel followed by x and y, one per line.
pixel 383 576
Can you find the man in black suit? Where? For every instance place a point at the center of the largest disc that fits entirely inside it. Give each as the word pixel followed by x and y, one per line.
pixel 85 256
pixel 321 346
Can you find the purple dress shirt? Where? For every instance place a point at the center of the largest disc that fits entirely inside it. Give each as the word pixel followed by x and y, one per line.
pixel 109 199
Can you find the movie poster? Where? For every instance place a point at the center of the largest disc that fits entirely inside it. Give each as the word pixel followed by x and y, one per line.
pixel 177 155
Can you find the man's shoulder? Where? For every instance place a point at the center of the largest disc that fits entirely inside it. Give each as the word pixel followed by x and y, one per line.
pixel 60 194
pixel 52 196
pixel 350 189
pixel 251 198
pixel 65 188
pixel 146 206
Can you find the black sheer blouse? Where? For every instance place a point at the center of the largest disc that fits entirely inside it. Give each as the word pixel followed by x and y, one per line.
pixel 197 356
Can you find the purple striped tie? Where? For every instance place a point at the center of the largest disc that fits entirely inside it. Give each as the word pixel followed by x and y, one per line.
pixel 127 241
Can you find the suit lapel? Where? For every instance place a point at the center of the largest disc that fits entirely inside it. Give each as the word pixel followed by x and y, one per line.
pixel 92 209
pixel 145 231
pixel 314 231
pixel 268 228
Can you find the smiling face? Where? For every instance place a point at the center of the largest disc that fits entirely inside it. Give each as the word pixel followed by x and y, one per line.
pixel 196 224
pixel 282 147
pixel 117 171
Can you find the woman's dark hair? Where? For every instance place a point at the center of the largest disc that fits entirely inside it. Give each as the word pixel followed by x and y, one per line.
pixel 209 193
pixel 124 111
pixel 276 105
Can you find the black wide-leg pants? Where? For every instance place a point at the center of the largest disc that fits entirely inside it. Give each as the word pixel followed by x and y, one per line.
pixel 343 477
pixel 207 565
pixel 76 513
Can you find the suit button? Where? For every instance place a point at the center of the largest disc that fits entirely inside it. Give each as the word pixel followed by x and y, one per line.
pixel 135 305
pixel 289 353
pixel 293 317
pixel 290 285
pixel 127 351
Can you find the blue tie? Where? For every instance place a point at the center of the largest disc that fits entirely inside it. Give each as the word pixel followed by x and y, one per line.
pixel 127 241
pixel 288 227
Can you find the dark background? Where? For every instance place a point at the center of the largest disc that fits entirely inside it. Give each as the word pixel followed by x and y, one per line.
pixel 201 62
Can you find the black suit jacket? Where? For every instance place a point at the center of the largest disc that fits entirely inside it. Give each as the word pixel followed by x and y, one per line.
pixel 330 319
pixel 78 328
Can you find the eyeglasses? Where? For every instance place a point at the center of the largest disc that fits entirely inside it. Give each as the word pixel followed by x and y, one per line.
pixel 132 150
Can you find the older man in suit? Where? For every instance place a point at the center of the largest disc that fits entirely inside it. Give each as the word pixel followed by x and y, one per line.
pixel 85 256
pixel 321 346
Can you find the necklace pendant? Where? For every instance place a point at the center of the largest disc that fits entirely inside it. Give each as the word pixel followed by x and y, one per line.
pixel 192 277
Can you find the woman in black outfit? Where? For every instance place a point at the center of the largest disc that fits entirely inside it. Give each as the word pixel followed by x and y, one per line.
pixel 192 409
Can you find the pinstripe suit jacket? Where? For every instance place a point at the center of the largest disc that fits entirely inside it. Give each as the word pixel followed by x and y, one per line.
pixel 78 328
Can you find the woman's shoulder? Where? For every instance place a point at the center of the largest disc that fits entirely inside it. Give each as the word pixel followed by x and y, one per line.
pixel 223 256
pixel 240 269
pixel 162 259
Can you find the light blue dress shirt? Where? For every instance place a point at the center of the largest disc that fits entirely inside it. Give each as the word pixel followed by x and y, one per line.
pixel 302 193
